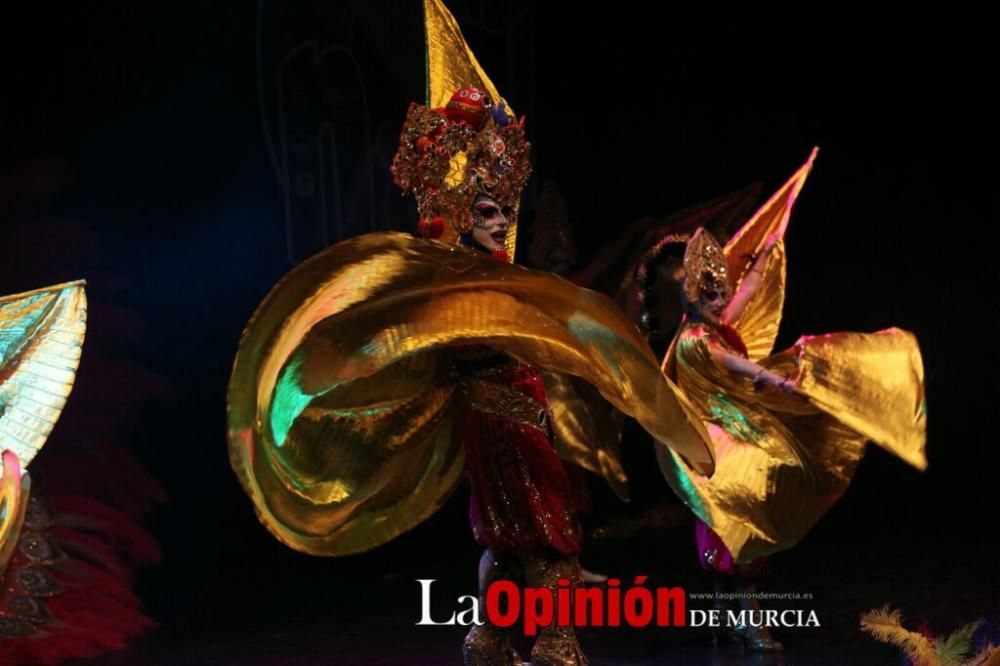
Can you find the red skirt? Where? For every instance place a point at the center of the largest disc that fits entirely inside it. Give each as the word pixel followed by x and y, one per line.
pixel 521 499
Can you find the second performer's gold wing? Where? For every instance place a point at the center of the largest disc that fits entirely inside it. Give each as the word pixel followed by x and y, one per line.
pixel 759 321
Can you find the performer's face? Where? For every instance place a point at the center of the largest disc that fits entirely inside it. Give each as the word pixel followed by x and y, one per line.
pixel 712 303
pixel 489 223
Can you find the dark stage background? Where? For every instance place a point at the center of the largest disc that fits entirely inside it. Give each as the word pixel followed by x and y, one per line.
pixel 182 157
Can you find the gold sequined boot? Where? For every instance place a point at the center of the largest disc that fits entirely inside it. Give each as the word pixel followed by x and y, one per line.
pixel 487 645
pixel 555 646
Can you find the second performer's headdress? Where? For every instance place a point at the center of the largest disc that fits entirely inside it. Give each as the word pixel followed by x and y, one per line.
pixel 705 267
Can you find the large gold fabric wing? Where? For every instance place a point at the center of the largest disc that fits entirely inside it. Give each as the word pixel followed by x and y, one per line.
pixel 41 336
pixel 758 324
pixel 359 465
pixel 783 461
pixel 336 456
pixel 587 428
pixel 873 383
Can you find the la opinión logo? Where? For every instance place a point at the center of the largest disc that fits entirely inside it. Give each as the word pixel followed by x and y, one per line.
pixel 567 606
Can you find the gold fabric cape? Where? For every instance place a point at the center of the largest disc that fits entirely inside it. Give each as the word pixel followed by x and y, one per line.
pixel 783 460
pixel 343 392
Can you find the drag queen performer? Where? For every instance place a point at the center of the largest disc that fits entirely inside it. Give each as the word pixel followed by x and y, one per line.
pixel 382 369
pixel 788 429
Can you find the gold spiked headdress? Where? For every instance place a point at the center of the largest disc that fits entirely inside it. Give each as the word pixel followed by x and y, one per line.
pixel 464 142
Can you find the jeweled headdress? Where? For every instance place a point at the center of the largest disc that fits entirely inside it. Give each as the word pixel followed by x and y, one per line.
pixel 463 143
pixel 705 267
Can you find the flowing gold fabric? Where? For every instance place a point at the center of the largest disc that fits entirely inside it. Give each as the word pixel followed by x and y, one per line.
pixel 41 336
pixel 783 460
pixel 343 391
pixel 451 65
pixel 588 429
pixel 758 324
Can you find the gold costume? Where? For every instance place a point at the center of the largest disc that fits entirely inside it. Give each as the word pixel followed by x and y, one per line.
pixel 347 382
pixel 783 460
